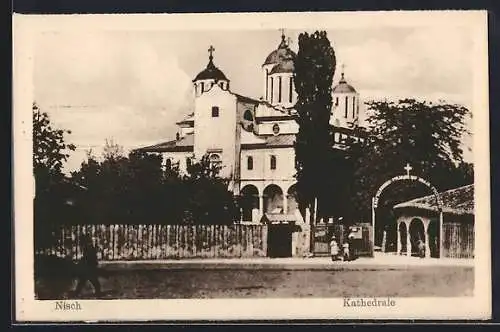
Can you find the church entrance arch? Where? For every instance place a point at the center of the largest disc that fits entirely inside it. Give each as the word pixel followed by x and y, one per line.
pixel 408 177
pixel 249 202
pixel 291 196
pixel 273 199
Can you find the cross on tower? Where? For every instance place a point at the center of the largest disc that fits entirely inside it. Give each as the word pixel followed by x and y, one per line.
pixel 343 69
pixel 211 50
pixel 282 33
pixel 408 168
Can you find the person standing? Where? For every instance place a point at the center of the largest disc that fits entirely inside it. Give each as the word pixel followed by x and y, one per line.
pixel 88 267
pixel 334 249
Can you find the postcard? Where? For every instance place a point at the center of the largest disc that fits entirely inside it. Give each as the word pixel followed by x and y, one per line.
pixel 251 166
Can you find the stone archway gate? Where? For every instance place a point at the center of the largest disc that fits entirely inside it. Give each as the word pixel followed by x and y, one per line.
pixel 408 177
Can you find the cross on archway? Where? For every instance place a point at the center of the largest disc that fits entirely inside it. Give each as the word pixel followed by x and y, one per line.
pixel 408 168
pixel 211 50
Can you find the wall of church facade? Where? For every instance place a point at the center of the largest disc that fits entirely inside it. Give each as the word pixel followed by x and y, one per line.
pixel 261 164
pixel 215 127
pixel 285 127
pixel 178 157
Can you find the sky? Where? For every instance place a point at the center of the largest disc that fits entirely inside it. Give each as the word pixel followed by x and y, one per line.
pixel 132 86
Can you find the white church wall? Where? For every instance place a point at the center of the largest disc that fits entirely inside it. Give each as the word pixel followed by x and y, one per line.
pixel 285 127
pixel 215 133
pixel 186 130
pixel 285 164
pixel 342 115
pixel 178 157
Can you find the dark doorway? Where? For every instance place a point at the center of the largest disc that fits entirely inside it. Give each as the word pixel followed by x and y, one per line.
pixel 279 241
pixel 403 236
pixel 417 233
pixel 433 232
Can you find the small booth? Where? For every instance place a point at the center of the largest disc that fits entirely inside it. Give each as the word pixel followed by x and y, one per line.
pixel 280 234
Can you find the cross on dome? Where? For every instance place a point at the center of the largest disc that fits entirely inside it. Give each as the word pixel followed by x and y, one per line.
pixel 211 50
pixel 343 69
pixel 408 168
pixel 282 33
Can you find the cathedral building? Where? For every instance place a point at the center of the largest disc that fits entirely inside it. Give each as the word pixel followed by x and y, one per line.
pixel 253 139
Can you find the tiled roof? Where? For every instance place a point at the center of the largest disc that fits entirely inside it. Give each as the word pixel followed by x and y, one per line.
pixel 184 144
pixel 246 99
pixel 187 118
pixel 458 201
pixel 278 141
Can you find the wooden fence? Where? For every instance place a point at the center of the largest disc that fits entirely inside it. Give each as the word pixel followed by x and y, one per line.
pixel 149 242
pixel 458 240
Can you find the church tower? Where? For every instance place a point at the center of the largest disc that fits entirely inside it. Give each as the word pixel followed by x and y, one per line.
pixel 215 118
pixel 345 109
pixel 277 76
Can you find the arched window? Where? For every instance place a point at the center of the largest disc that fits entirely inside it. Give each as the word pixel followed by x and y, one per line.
pixel 215 160
pixel 202 87
pixel 267 84
pixel 248 115
pixel 290 92
pixel 353 106
pixel 346 105
pixel 249 162
pixel 272 90
pixel 168 164
pixel 279 89
pixel 188 162
pixel 273 162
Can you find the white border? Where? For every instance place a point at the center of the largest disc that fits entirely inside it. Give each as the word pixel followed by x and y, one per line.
pixel 25 28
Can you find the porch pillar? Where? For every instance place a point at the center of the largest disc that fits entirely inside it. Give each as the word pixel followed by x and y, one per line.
pixel 384 240
pixel 285 204
pixel 261 206
pixel 408 242
pixel 399 248
pixel 427 244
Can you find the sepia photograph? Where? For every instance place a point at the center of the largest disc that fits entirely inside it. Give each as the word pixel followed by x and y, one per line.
pixel 227 166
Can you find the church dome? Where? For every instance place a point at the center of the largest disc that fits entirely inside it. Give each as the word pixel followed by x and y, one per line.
pixel 343 86
pixel 283 67
pixel 282 53
pixel 211 72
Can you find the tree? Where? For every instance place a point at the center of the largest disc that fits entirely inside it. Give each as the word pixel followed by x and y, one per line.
pixel 208 200
pixel 425 135
pixel 314 70
pixel 50 151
